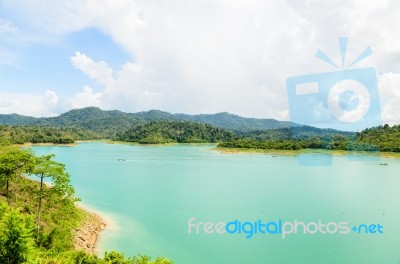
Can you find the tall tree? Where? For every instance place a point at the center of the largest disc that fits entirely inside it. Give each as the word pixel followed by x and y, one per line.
pixel 46 167
pixel 13 162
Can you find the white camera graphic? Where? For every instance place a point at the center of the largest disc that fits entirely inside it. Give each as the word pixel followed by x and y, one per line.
pixel 345 99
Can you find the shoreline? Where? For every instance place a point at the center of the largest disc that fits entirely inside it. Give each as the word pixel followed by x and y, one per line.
pixel 30 144
pixel 88 233
pixel 393 155
pixel 112 142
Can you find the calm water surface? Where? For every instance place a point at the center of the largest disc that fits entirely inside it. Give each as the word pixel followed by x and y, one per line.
pixel 153 193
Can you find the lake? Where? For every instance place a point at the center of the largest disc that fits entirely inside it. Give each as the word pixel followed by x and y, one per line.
pixel 151 194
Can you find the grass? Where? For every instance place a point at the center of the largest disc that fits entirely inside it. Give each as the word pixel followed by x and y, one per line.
pixel 59 219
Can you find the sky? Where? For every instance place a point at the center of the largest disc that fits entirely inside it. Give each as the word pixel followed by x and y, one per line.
pixel 186 56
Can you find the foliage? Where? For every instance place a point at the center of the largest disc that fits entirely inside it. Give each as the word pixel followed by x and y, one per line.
pixel 16 236
pixel 13 162
pixel 107 124
pixel 41 134
pixel 234 122
pixel 175 131
pixel 296 133
pixel 381 138
pixel 386 138
pixel 157 127
pixel 60 190
pixel 80 257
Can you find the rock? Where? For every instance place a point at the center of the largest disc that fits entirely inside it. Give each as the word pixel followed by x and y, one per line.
pixel 86 235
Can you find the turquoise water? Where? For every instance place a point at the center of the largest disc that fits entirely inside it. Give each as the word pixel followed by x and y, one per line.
pixel 151 196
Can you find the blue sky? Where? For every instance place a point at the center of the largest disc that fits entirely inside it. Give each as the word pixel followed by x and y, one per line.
pixel 47 64
pixel 198 56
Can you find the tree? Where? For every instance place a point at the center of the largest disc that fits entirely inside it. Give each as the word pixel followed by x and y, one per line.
pixel 13 162
pixel 46 167
pixel 114 257
pixel 16 236
pixel 24 164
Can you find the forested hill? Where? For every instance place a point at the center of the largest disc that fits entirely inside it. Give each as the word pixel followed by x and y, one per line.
pixel 100 121
pixel 235 122
pixel 157 127
pixel 387 138
pixel 382 138
pixel 161 132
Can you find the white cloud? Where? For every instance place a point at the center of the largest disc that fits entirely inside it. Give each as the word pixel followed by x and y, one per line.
pixel 94 70
pixel 204 61
pixel 205 56
pixel 389 84
pixel 129 88
pixel 50 98
pixel 29 104
pixel 86 98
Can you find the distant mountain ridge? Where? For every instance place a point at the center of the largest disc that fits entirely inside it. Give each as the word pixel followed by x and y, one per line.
pixel 95 119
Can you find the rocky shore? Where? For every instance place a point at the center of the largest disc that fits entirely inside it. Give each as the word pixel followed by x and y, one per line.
pixel 86 236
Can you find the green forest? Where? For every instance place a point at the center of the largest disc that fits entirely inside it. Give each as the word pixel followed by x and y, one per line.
pixel 38 215
pixel 43 134
pixel 157 127
pixel 381 138
pixel 386 138
pixel 175 132
pixel 110 122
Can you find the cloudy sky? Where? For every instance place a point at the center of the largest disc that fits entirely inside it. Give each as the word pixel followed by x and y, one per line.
pixel 191 56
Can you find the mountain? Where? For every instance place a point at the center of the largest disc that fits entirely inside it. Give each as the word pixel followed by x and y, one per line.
pixel 157 127
pixel 15 119
pixel 235 122
pixel 100 121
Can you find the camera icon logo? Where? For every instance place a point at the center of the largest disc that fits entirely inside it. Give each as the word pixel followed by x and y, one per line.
pixel 346 99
